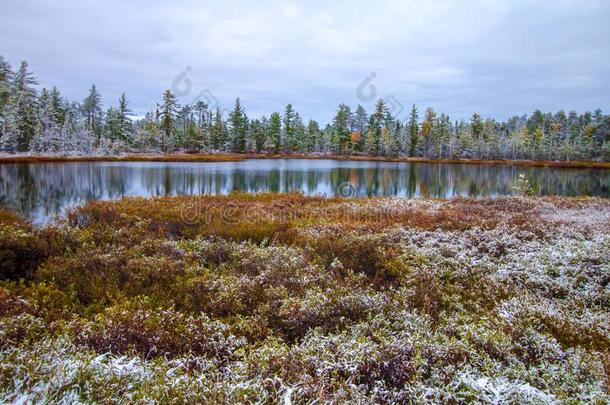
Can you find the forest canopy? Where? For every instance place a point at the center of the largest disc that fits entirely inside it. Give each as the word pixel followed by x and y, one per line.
pixel 42 121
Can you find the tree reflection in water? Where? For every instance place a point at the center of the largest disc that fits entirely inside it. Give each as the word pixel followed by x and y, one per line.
pixel 44 190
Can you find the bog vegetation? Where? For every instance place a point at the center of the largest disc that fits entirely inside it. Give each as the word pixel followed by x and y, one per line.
pixel 44 122
pixel 265 298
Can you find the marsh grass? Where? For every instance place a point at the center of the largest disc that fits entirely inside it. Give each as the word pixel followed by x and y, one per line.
pixel 260 298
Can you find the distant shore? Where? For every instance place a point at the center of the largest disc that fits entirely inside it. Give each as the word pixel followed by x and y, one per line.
pixel 233 157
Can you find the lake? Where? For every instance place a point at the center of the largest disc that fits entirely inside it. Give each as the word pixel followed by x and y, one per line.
pixel 41 191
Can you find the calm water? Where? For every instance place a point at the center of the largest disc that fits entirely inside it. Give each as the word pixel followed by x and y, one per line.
pixel 42 191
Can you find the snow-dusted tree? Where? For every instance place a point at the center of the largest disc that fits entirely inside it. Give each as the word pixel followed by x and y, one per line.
pixel 92 110
pixel 6 77
pixel 111 124
pixel 326 139
pixel 372 138
pixel 428 130
pixel 289 138
pixel 192 139
pixel 387 143
pixel 168 112
pixel 275 132
pixel 238 124
pixel 124 125
pixel 144 141
pixel 443 136
pixel 147 135
pixel 467 144
pixel 9 138
pixel 258 130
pixel 299 133
pixel 218 132
pixel 413 131
pixel 80 140
pixel 341 129
pixel 313 140
pixel 25 103
pixel 48 136
pixel 118 126
pixel 359 124
pixel 58 106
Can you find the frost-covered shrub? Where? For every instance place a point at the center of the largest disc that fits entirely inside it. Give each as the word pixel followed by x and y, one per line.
pixel 137 327
pixel 359 301
pixel 102 275
pixel 328 309
pixel 18 320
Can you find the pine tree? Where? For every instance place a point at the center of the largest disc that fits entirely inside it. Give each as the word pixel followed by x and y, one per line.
pixel 588 140
pixel 382 115
pixel 372 138
pixel 48 136
pixel 238 127
pixel 9 142
pixel 78 138
pixel 443 136
pixel 111 125
pixel 387 146
pixel 413 132
pixel 341 129
pixel 169 109
pixel 379 119
pixel 49 123
pixel 147 135
pixel 275 132
pixel 204 122
pixel 360 125
pixel 218 132
pixel 290 142
pixel 6 77
pixel 476 124
pixel 327 135
pixel 57 106
pixel 464 140
pixel 124 129
pixel 25 106
pixel 192 139
pixel 313 136
pixel 299 133
pixel 259 130
pixel 92 109
pixel 360 119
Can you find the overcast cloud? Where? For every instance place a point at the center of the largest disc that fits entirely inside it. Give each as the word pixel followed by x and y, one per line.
pixel 498 58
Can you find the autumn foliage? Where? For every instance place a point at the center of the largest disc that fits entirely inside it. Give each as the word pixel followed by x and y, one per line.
pixel 258 297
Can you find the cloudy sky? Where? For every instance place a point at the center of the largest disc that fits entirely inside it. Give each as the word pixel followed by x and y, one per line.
pixel 495 57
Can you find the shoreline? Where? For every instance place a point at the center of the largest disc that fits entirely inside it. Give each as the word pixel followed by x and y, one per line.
pixel 233 157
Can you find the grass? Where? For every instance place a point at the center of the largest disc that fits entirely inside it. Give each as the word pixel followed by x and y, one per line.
pixel 233 157
pixel 274 297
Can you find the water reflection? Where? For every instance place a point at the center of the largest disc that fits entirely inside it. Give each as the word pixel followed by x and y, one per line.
pixel 41 191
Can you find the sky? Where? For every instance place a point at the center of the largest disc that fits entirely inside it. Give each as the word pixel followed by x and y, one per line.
pixel 497 58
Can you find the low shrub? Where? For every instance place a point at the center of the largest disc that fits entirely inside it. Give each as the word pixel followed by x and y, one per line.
pixel 284 298
pixel 21 251
pixel 137 327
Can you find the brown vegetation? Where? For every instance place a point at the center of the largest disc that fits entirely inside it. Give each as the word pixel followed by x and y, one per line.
pixel 395 297
pixel 235 157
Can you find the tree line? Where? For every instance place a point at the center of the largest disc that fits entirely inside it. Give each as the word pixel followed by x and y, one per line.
pixel 43 121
